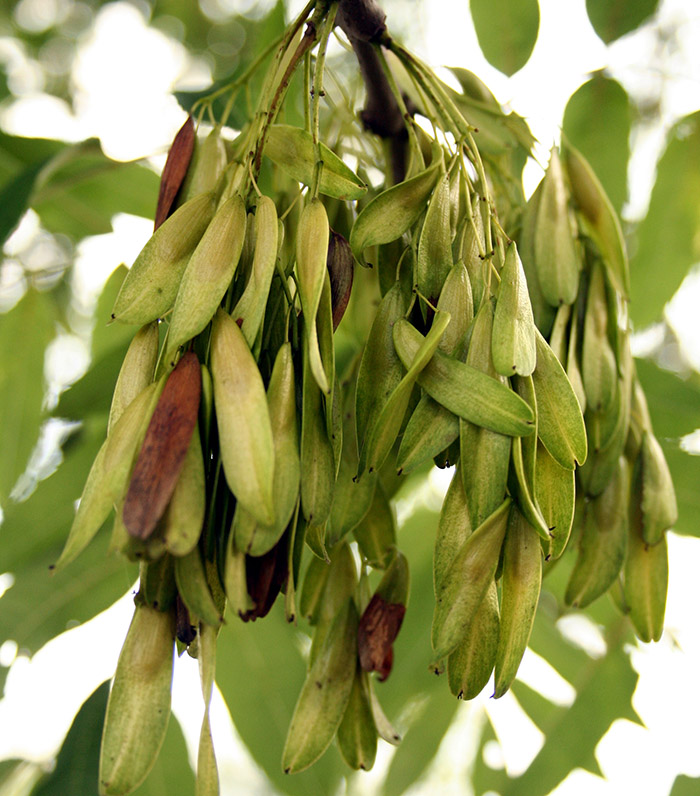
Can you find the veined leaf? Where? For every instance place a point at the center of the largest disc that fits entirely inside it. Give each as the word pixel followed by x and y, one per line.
pixel 25 331
pixel 605 146
pixel 670 231
pixel 507 31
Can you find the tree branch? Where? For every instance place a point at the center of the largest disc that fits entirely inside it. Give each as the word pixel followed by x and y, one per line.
pixel 363 22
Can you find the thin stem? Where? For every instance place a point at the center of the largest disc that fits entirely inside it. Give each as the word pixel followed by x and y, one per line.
pixel 318 93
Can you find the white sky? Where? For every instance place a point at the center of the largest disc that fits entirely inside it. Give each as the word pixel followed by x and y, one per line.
pixel 127 103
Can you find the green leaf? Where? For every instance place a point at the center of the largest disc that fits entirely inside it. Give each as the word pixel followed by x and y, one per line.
pixel 77 762
pixel 50 508
pixel 605 146
pixel 614 18
pixel 18 153
pixel 507 31
pixel 25 331
pixel 420 743
pixel 14 199
pixel 668 238
pixel 604 689
pixel 93 392
pixel 604 692
pixel 674 406
pixel 81 189
pixel 39 605
pixel 262 677
pixel 685 786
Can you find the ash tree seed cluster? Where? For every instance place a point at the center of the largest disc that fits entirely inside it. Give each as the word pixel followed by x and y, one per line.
pixel 274 399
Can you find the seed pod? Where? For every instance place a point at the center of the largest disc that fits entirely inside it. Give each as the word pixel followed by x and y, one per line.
pixel 316 451
pixel 470 665
pixel 265 576
pixel 376 533
pixel 393 211
pixel 380 369
pixel 136 372
pixel 339 585
pixel 559 421
pixel 293 150
pixel 573 366
pixel 464 585
pixel 341 266
pixel 164 449
pixel 386 428
pixel 250 308
pixel 184 517
pixel 555 250
pixel 235 580
pixel 324 695
pixel 108 476
pixel 193 588
pixel 542 310
pixel 207 165
pixel 357 733
pixel 351 499
pixel 311 254
pixel 381 620
pixel 555 495
pixel 175 169
pixel 282 405
pixel 645 578
pixel 456 298
pixel 597 217
pixel 434 259
pixel 150 287
pixel 243 419
pixel 207 783
pixel 484 454
pixel 430 429
pixel 312 590
pixel 208 274
pixel 138 708
pixel 473 244
pixel 603 543
pixel 157 587
pixel 513 342
pixel 465 391
pixel 659 508
pixel 599 367
pixel 520 591
pixel 384 727
pixel 453 528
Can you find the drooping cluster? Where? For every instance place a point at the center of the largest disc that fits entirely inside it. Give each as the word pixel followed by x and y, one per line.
pixel 248 443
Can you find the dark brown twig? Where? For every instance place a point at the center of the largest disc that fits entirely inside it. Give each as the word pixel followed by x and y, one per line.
pixel 363 22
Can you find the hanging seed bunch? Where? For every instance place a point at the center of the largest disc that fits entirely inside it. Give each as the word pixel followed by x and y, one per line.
pixel 578 276
pixel 248 443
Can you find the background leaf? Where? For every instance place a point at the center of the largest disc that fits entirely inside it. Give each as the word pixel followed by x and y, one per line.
pixel 614 18
pixel 685 786
pixel 77 764
pixel 260 672
pixel 85 188
pixel 674 405
pixel 40 605
pixel 507 31
pixel 25 331
pixel 605 146
pixel 604 689
pixel 668 238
